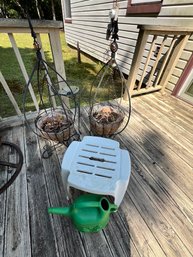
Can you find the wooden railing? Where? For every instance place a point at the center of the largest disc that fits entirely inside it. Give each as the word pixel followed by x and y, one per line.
pixel 52 28
pixel 164 46
pixel 157 52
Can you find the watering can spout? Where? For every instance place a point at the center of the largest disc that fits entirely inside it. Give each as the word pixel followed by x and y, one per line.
pixel 61 211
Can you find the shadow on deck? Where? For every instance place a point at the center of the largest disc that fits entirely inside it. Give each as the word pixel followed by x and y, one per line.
pixel 156 215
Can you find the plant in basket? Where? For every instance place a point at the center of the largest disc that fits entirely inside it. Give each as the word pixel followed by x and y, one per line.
pixel 55 125
pixel 105 120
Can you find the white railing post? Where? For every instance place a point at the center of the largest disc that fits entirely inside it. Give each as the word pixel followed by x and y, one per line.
pixel 141 41
pixel 56 48
pixel 173 60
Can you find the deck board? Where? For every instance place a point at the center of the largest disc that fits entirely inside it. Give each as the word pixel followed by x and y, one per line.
pixel 162 152
pixel 3 197
pixel 156 215
pixel 17 216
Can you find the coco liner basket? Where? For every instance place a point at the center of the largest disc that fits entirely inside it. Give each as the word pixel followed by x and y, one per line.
pixel 55 125
pixel 105 120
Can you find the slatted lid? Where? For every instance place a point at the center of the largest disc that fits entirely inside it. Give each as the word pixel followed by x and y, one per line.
pixel 96 161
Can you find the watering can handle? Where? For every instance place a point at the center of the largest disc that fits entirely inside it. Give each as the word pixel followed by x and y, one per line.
pixel 95 204
pixel 90 204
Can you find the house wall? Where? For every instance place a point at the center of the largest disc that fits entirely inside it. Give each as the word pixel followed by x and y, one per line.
pixel 89 23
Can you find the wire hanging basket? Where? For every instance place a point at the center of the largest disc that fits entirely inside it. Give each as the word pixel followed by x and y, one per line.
pixel 55 120
pixel 56 117
pixel 107 115
pixel 55 125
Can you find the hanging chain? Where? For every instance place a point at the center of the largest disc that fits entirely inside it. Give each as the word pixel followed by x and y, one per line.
pixel 115 4
pixel 116 8
pixel 112 28
pixel 33 34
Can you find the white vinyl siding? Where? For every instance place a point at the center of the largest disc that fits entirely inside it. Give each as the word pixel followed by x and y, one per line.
pixel 90 19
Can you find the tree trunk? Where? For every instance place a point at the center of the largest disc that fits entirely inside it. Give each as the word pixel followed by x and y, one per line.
pixel 3 11
pixel 38 9
pixel 53 10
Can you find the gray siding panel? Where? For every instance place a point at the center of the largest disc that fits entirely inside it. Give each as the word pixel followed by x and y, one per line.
pixel 89 23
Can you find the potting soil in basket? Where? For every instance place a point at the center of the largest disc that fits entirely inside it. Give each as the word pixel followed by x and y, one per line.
pixel 105 120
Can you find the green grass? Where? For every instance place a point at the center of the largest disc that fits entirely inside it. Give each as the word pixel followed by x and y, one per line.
pixel 81 74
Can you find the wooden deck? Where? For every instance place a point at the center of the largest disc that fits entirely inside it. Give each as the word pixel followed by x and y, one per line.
pixel 156 215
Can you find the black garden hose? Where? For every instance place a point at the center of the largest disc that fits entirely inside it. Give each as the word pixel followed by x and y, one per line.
pixel 16 166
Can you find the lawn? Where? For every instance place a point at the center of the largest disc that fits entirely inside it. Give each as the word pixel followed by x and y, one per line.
pixel 80 74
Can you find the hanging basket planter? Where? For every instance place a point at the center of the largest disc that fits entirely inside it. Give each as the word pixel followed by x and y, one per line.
pixel 105 120
pixel 55 101
pixel 107 115
pixel 56 125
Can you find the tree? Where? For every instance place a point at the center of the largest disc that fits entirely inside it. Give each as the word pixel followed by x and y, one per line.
pixel 37 9
pixel 53 10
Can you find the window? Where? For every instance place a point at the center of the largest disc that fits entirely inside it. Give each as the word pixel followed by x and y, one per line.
pixel 143 1
pixel 143 6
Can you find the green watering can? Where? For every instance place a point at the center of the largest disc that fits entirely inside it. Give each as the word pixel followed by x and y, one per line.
pixel 89 213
